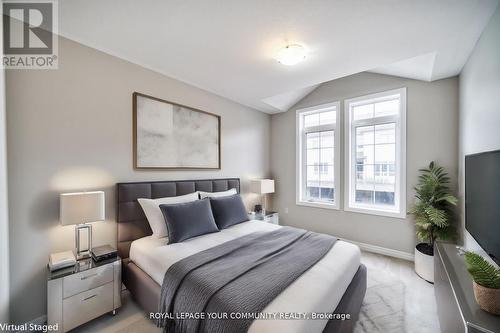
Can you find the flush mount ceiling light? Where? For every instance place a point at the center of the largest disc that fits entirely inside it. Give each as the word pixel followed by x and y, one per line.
pixel 291 54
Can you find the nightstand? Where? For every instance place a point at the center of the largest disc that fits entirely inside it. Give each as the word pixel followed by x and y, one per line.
pixel 78 294
pixel 270 217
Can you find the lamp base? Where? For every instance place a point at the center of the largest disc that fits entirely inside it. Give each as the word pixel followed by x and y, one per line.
pixel 264 205
pixel 83 253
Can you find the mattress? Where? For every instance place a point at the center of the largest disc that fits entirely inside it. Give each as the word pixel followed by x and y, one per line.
pixel 318 290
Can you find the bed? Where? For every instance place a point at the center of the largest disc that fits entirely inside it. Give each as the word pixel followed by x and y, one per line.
pixel 335 284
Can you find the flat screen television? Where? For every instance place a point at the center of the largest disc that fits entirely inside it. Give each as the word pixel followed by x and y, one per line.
pixel 482 200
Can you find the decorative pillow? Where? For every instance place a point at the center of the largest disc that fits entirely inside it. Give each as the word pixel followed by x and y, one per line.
pixel 188 220
pixel 227 193
pixel 151 208
pixel 228 211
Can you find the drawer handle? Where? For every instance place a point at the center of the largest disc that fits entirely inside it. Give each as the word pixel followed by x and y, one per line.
pixel 88 276
pixel 87 298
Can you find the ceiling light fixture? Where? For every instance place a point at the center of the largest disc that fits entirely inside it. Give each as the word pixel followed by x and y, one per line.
pixel 291 54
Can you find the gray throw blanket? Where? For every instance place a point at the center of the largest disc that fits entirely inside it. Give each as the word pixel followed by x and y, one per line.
pixel 240 276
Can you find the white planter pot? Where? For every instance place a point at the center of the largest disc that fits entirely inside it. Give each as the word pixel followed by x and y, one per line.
pixel 424 266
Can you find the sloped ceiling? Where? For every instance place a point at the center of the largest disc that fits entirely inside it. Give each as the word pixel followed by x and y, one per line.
pixel 419 68
pixel 283 102
pixel 227 46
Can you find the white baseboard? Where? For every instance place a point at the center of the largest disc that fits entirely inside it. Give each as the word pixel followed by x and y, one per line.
pixel 383 250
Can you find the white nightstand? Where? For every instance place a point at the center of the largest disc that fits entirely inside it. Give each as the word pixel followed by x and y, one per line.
pixel 78 294
pixel 270 217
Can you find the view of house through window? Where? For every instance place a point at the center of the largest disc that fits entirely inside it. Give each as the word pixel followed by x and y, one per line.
pixel 374 140
pixel 376 164
pixel 318 146
pixel 319 160
pixel 373 157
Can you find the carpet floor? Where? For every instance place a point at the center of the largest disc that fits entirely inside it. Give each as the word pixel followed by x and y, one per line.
pixel 396 300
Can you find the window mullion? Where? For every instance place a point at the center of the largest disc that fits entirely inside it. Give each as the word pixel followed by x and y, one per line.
pixel 319 167
pixel 319 128
pixel 373 166
pixel 304 166
pixel 353 164
pixel 375 121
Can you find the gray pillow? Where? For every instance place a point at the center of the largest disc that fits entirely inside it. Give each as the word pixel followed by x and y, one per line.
pixel 188 220
pixel 228 211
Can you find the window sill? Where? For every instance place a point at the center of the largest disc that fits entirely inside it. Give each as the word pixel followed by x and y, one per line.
pixel 317 204
pixel 378 212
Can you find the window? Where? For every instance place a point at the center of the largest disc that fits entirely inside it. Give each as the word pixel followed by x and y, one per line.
pixel 375 139
pixel 318 156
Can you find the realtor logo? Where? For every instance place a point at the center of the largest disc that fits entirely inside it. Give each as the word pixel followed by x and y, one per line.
pixel 30 34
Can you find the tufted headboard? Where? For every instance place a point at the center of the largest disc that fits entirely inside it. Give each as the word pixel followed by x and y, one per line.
pixel 132 223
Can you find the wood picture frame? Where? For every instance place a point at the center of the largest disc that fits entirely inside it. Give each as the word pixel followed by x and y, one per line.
pixel 169 136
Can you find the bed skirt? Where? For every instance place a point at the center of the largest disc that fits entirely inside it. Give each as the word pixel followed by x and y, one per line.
pixel 146 292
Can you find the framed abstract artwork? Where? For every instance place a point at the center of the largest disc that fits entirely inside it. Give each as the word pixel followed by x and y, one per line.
pixel 168 135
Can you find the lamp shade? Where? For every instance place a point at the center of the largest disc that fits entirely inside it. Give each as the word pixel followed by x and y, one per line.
pixel 81 207
pixel 262 186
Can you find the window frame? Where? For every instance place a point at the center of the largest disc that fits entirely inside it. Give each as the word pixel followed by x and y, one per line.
pixel 350 146
pixel 300 166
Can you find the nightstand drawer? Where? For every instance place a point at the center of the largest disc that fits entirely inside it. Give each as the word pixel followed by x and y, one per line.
pixel 84 281
pixel 86 306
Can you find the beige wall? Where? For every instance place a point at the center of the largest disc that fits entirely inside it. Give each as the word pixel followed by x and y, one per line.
pixel 432 134
pixel 71 129
pixel 480 104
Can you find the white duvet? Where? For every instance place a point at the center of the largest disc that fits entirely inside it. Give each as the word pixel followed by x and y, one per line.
pixel 318 290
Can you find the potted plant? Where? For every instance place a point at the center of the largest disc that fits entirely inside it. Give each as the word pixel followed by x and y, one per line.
pixel 486 282
pixel 432 212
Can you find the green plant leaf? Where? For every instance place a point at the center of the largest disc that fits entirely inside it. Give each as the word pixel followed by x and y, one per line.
pixel 482 272
pixel 423 236
pixel 432 209
pixel 448 198
pixel 437 216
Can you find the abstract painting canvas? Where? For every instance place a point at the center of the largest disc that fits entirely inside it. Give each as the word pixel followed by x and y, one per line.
pixel 173 136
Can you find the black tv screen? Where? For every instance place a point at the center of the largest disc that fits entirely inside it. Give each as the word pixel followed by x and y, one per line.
pixel 482 200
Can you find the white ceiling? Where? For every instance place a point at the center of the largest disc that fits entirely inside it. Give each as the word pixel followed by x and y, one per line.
pixel 227 46
pixel 419 68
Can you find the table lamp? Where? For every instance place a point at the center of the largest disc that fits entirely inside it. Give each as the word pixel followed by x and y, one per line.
pixel 262 187
pixel 80 209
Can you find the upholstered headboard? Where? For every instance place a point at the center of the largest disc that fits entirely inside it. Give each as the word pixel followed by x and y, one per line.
pixel 132 223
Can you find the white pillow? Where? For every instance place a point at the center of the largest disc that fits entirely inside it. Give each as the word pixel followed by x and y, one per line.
pixel 151 208
pixel 227 193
